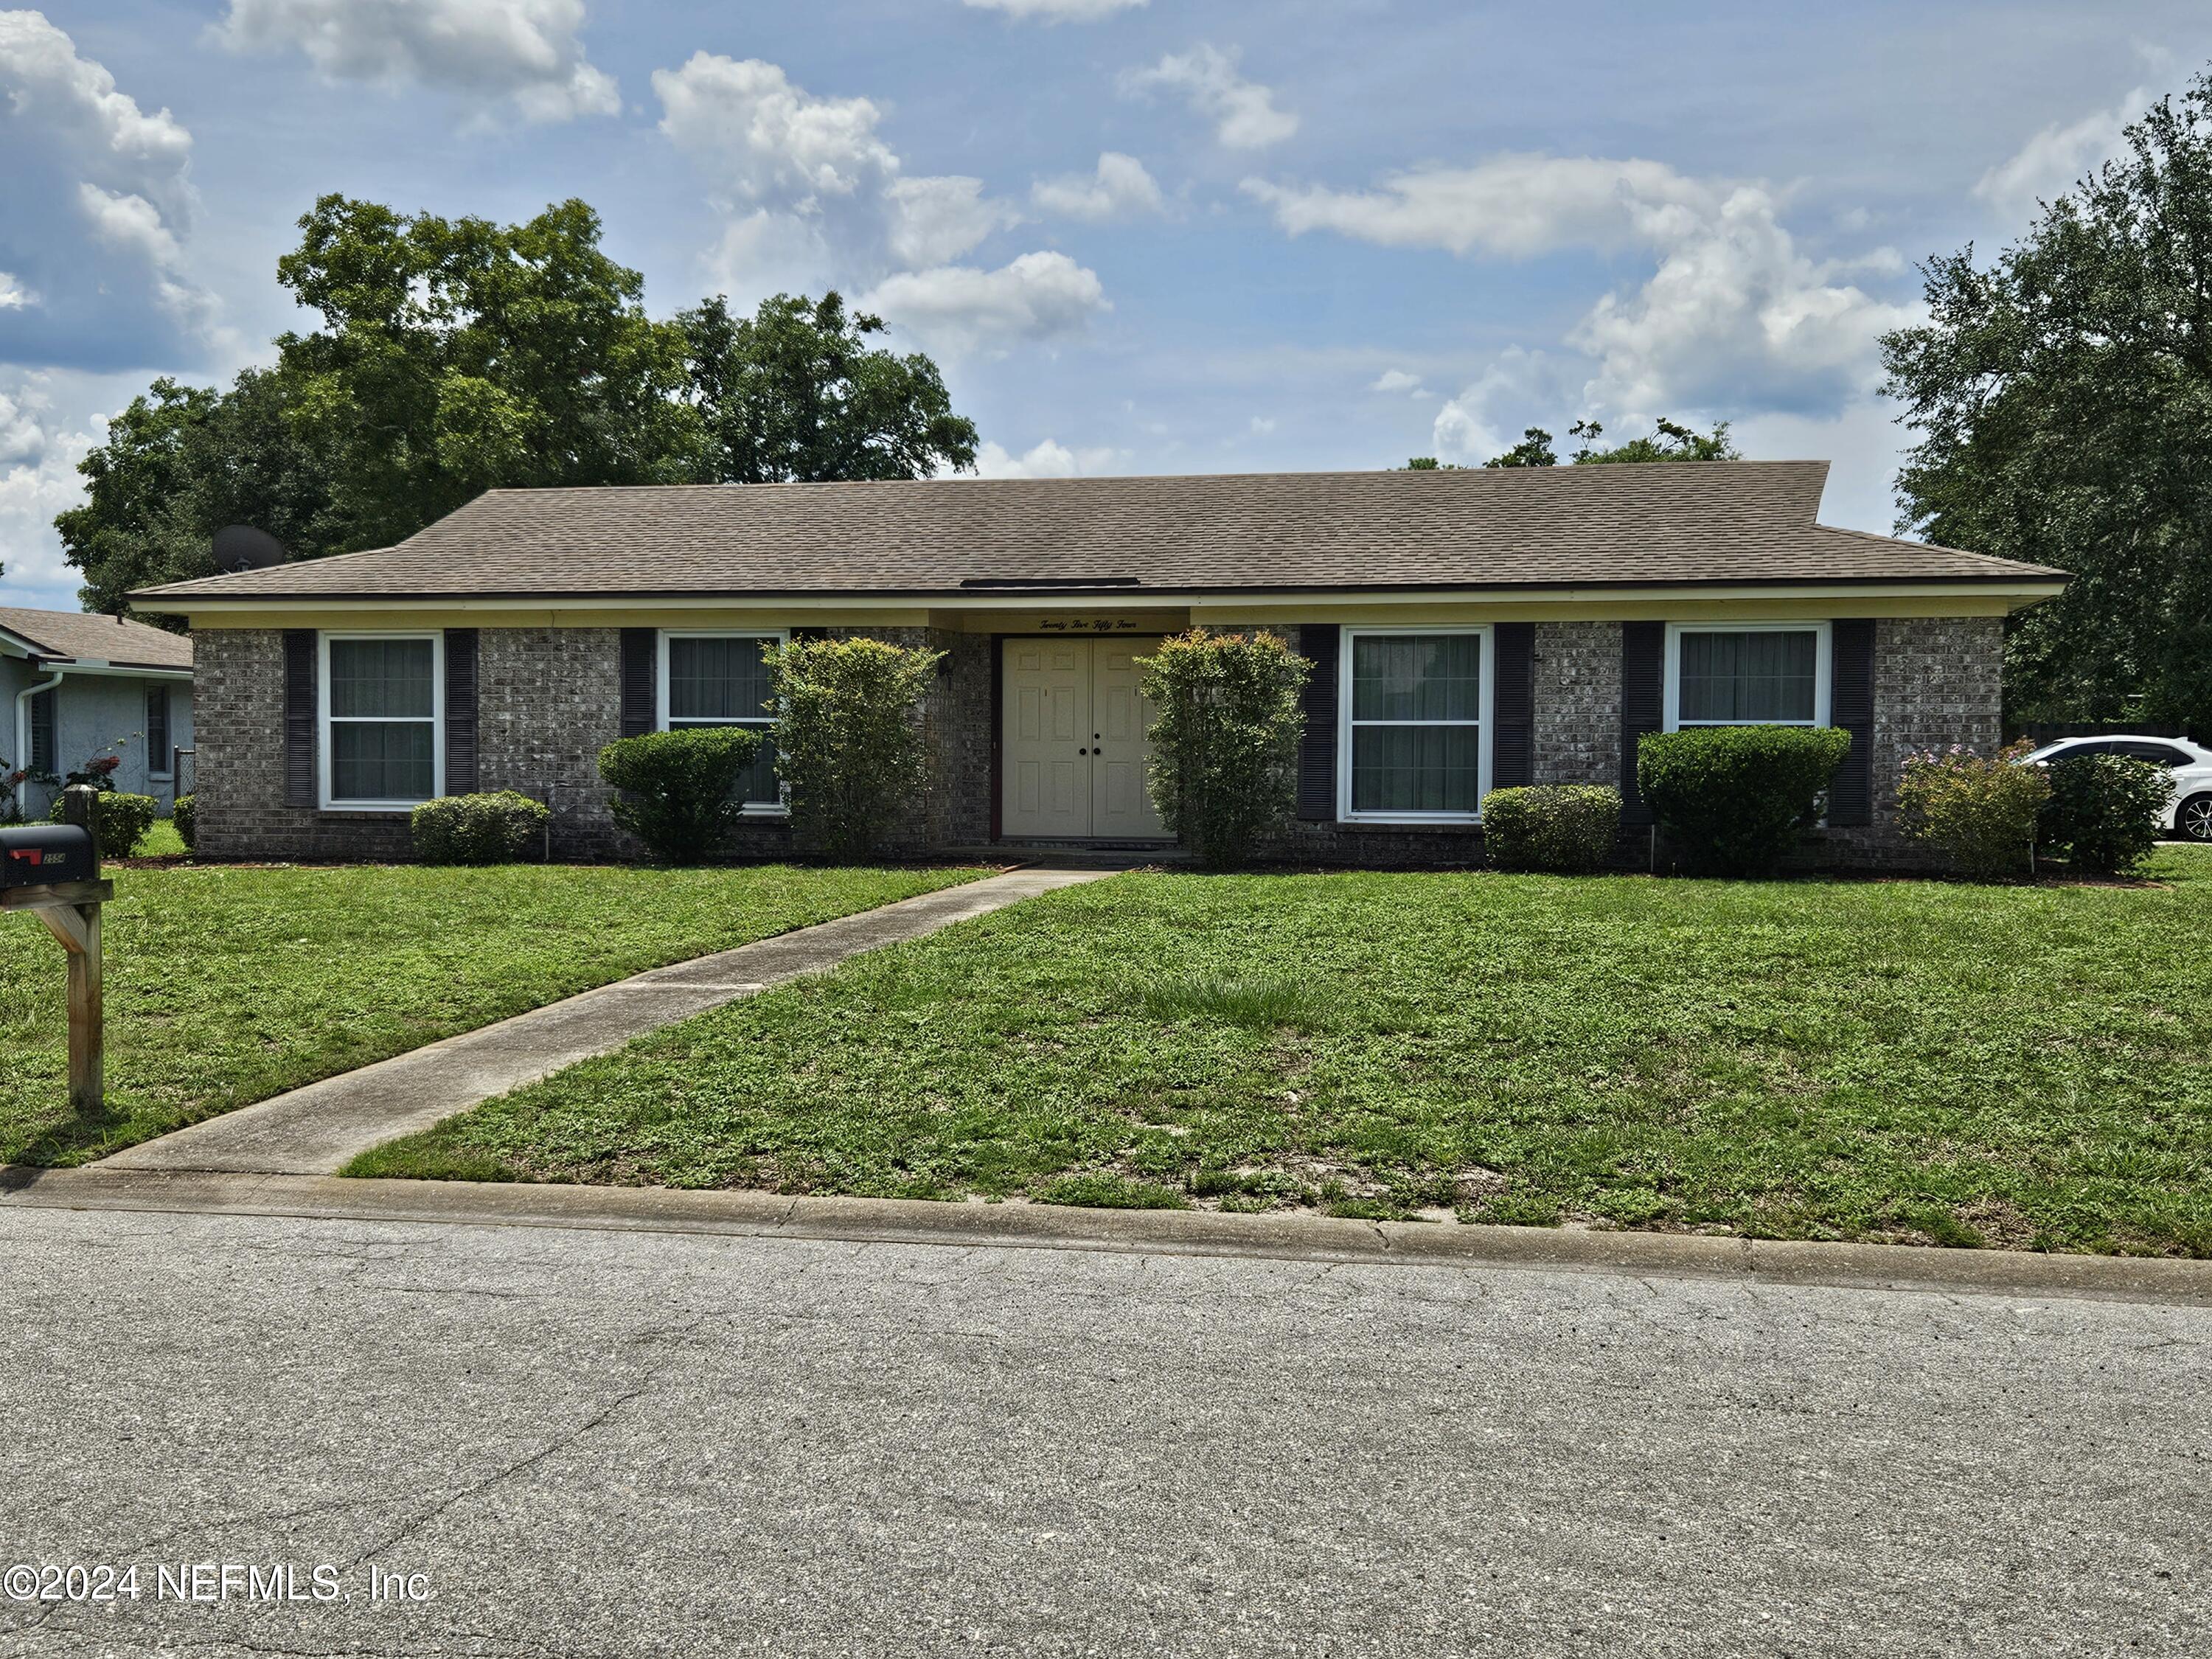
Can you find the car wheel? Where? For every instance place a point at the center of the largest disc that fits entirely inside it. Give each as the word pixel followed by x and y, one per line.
pixel 2194 820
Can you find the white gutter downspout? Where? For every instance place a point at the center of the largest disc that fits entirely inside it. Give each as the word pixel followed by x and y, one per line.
pixel 23 721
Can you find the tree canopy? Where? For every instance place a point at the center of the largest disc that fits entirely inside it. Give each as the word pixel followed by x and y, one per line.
pixel 2064 400
pixel 455 356
pixel 1668 441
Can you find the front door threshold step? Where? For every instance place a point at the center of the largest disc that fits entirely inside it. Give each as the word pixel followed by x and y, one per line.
pixel 319 1129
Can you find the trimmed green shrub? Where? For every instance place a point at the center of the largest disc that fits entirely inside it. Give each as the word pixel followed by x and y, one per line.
pixel 1224 738
pixel 181 816
pixel 490 828
pixel 848 739
pixel 119 822
pixel 1568 828
pixel 677 790
pixel 2104 810
pixel 1979 815
pixel 1736 796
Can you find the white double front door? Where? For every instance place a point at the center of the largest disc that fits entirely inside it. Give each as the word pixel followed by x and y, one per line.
pixel 1073 754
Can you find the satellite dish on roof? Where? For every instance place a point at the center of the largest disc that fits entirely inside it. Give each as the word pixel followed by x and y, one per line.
pixel 241 547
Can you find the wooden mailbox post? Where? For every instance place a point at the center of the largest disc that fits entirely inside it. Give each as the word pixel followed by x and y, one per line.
pixel 70 909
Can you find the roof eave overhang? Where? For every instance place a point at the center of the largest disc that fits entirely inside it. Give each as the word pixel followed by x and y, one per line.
pixel 2022 586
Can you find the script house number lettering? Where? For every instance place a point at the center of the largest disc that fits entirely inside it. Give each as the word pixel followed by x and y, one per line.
pixel 1093 625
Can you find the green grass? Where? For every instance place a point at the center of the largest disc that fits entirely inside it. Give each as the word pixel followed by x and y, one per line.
pixel 228 984
pixel 1913 1061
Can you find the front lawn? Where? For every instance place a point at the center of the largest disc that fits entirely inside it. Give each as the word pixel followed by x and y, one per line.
pixel 1917 1060
pixel 228 984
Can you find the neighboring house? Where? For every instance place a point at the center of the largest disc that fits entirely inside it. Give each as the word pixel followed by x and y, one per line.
pixel 1469 630
pixel 74 686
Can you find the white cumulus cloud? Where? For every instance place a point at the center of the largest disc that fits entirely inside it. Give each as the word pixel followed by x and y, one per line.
pixel 749 129
pixel 1734 315
pixel 959 309
pixel 97 200
pixel 1398 381
pixel 1244 112
pixel 524 52
pixel 1044 459
pixel 1056 11
pixel 1120 188
pixel 934 221
pixel 38 478
pixel 2055 159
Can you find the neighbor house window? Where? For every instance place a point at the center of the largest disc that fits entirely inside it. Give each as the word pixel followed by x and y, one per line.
pixel 722 679
pixel 157 731
pixel 382 702
pixel 42 733
pixel 1414 704
pixel 1765 675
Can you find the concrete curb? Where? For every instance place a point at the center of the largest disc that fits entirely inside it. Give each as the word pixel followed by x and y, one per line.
pixel 1172 1232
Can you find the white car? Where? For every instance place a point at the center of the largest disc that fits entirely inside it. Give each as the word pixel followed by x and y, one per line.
pixel 2189 809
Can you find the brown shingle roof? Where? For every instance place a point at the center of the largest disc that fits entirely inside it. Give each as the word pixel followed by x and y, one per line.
pixel 74 635
pixel 1740 522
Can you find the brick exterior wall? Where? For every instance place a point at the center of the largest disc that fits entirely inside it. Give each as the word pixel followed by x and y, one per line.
pixel 1579 703
pixel 1937 681
pixel 549 700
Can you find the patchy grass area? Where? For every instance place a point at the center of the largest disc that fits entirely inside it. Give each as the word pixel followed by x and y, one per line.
pixel 228 984
pixel 1913 1061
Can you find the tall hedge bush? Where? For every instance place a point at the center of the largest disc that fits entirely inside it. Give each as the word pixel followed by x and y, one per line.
pixel 1569 828
pixel 1736 796
pixel 1224 738
pixel 2103 811
pixel 849 740
pixel 677 790
pixel 1979 815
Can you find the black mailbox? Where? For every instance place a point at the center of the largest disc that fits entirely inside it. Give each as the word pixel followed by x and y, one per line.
pixel 41 854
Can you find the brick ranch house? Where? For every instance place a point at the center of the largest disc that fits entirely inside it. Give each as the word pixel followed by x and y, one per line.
pixel 1469 630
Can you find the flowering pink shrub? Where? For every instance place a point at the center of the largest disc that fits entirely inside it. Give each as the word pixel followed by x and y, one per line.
pixel 1980 814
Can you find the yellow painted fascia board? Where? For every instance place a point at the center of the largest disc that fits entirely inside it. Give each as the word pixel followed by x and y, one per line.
pixel 478 614
pixel 1701 605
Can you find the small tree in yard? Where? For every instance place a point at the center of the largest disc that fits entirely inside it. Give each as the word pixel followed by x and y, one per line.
pixel 1224 738
pixel 1979 814
pixel 848 738
pixel 677 790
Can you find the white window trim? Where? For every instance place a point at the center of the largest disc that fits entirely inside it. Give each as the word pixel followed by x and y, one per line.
pixel 1344 726
pixel 1823 662
pixel 776 808
pixel 323 718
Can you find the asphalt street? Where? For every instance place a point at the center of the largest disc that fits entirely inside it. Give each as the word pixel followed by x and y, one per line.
pixel 571 1441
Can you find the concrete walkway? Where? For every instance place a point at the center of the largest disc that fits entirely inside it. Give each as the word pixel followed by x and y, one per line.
pixel 318 1129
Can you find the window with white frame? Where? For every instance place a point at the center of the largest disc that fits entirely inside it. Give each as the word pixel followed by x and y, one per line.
pixel 383 736
pixel 722 679
pixel 1415 708
pixel 1763 674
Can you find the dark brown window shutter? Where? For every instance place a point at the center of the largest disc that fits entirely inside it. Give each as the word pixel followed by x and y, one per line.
pixel 300 717
pixel 1318 643
pixel 1513 706
pixel 1643 704
pixel 640 681
pixel 1850 705
pixel 460 711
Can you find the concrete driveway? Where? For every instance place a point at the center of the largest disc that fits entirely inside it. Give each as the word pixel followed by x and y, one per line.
pixel 599 1442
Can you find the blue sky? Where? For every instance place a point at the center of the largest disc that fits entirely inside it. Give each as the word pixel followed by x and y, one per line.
pixel 1140 235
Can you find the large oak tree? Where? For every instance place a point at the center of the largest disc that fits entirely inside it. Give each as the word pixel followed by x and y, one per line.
pixel 2064 398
